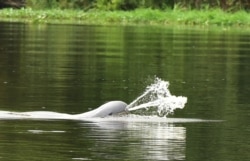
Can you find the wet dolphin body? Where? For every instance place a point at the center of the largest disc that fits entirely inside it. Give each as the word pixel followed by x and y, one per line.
pixel 107 109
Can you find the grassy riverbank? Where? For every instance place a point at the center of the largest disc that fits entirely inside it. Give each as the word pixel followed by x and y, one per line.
pixel 211 17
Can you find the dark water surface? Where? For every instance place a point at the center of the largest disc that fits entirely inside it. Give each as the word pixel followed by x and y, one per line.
pixel 72 69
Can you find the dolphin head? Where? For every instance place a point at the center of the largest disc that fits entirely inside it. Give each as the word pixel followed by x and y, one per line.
pixel 107 109
pixel 111 108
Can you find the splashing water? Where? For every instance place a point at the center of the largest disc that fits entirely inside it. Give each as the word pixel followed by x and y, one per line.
pixel 158 96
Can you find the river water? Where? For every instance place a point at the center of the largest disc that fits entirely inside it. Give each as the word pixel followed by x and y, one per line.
pixel 75 68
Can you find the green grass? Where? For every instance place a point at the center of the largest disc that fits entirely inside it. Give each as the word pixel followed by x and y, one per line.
pixel 213 17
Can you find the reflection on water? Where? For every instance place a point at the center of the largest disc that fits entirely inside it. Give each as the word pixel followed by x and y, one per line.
pixel 145 140
pixel 102 140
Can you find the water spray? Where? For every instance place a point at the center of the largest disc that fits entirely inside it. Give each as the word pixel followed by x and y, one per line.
pixel 157 95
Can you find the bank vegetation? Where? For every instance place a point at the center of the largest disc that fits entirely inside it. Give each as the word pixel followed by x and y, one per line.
pixel 154 12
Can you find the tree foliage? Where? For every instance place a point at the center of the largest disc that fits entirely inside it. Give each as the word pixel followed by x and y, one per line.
pixel 229 5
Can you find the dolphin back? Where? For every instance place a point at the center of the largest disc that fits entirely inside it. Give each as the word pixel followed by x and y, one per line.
pixel 107 109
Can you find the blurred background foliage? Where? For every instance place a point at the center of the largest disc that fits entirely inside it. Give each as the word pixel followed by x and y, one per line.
pixel 228 5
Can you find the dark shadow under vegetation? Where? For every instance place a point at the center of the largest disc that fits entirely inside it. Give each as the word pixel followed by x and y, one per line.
pixel 12 3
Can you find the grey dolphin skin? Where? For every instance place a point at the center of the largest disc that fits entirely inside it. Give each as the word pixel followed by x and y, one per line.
pixel 109 108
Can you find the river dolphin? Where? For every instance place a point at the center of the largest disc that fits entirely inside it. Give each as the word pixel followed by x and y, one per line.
pixel 107 109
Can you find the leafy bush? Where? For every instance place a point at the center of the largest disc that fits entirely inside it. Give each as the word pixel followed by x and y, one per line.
pixel 228 5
